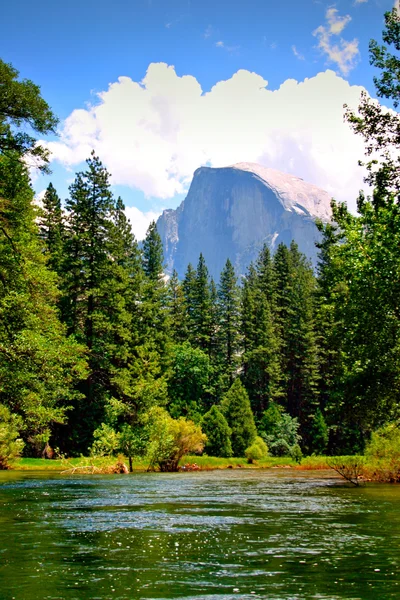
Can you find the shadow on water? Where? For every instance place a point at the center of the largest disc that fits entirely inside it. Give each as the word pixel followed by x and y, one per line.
pixel 210 535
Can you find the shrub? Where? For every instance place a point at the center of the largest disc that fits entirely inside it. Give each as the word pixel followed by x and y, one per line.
pixel 218 433
pixel 170 439
pixel 106 441
pixel 280 430
pixel 257 451
pixel 383 453
pixel 296 453
pixel 11 444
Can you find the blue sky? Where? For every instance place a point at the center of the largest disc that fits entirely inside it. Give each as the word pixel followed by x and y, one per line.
pixel 75 50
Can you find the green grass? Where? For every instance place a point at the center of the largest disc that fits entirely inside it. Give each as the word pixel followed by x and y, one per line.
pixel 203 462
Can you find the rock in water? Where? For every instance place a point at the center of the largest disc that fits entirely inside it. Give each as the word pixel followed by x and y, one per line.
pixel 231 212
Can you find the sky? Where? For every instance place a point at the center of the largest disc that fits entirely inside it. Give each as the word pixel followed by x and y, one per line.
pixel 159 88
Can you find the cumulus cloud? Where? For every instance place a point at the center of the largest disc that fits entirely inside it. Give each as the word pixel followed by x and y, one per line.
pixel 344 53
pixel 153 134
pixel 140 220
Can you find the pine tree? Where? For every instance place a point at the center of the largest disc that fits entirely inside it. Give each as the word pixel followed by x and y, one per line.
pixel 177 310
pixel 152 312
pixel 299 353
pixel 153 254
pixel 237 411
pixel 92 304
pixel 228 321
pixel 52 229
pixel 201 317
pixel 261 368
pixel 189 290
pixel 39 365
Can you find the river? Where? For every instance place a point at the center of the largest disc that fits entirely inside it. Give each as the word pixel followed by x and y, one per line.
pixel 212 535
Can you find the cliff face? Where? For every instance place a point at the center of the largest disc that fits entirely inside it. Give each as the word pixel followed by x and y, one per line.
pixel 231 212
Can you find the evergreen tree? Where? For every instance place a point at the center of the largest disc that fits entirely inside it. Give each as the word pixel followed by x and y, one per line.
pixel 177 310
pixel 202 306
pixel 237 411
pixel 218 433
pixel 153 254
pixel 261 368
pixel 94 303
pixel 152 311
pixel 189 290
pixel 52 229
pixel 228 321
pixel 299 351
pixel 39 365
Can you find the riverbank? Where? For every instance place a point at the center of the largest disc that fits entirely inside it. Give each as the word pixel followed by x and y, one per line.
pixel 189 463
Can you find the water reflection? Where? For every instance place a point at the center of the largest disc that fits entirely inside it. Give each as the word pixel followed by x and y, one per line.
pixel 230 534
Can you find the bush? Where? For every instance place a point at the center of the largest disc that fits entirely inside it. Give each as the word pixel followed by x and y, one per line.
pixel 106 441
pixel 170 439
pixel 11 444
pixel 257 451
pixel 218 433
pixel 383 453
pixel 296 453
pixel 280 431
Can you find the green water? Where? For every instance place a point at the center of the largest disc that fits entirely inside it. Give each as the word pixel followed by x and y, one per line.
pixel 211 535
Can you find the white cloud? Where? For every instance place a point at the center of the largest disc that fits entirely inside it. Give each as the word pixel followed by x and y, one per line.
pixel 220 44
pixel 344 53
pixel 297 53
pixel 140 220
pixel 209 31
pixel 152 135
pixel 38 199
pixel 360 1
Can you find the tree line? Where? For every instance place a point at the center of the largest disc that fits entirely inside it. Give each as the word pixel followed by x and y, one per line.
pixel 98 348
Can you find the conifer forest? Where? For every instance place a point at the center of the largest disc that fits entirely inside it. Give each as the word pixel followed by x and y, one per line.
pixel 100 351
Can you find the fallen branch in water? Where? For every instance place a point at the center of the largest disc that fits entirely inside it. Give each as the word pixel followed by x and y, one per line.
pixel 350 468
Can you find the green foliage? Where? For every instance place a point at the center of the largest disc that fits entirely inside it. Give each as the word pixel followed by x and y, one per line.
pixel 261 368
pixel 170 439
pixel 52 229
pixel 132 442
pixel 39 365
pixel 385 443
pixel 296 453
pixel 237 411
pixel 388 84
pixel 280 431
pixel 257 451
pixel 11 445
pixel 228 321
pixel 22 109
pixel 218 433
pixel 153 253
pixel 318 433
pixel 189 381
pixel 177 309
pixel 106 441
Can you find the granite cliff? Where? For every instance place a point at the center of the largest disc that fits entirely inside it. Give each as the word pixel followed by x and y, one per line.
pixel 231 212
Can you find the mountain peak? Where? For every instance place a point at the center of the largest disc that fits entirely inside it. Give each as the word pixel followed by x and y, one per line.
pixel 230 212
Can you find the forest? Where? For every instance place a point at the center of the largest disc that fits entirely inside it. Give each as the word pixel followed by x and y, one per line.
pixel 101 352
